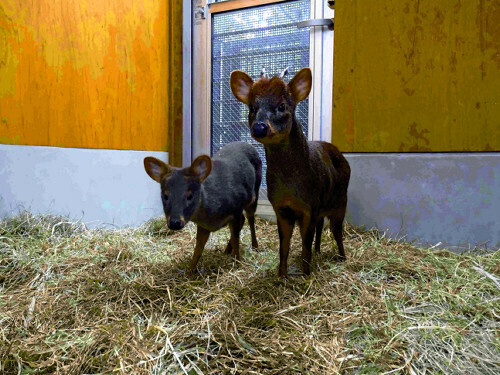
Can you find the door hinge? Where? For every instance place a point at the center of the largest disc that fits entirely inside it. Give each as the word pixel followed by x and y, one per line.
pixel 200 12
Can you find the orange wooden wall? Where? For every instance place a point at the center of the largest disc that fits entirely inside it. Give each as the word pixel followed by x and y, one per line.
pixel 92 74
pixel 417 76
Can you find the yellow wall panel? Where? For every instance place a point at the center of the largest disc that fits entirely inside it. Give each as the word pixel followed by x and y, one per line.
pixel 91 73
pixel 417 76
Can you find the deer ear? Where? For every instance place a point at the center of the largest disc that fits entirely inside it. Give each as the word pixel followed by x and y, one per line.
pixel 300 85
pixel 240 85
pixel 155 168
pixel 201 167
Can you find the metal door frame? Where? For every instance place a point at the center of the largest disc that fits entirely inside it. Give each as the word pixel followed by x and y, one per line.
pixel 187 82
pixel 321 57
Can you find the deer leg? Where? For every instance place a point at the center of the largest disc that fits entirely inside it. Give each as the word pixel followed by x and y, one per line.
pixel 234 241
pixel 229 247
pixel 336 229
pixel 319 230
pixel 251 222
pixel 201 239
pixel 307 228
pixel 285 231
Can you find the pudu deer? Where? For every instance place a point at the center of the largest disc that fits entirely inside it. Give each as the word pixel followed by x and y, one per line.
pixel 212 193
pixel 307 180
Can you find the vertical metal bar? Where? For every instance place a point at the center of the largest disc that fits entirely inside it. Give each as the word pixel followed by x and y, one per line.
pixel 311 121
pixel 321 63
pixel 327 76
pixel 187 16
pixel 200 105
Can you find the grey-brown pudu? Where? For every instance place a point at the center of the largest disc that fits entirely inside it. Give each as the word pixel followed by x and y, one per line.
pixel 212 193
pixel 306 181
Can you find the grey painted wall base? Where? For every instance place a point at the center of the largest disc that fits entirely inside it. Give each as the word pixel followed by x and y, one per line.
pixel 99 187
pixel 452 199
pixel 448 198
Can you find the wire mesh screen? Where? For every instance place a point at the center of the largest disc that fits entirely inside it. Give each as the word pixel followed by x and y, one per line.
pixel 249 40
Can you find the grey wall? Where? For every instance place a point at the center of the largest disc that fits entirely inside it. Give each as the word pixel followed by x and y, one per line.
pixel 100 187
pixel 453 198
pixel 430 198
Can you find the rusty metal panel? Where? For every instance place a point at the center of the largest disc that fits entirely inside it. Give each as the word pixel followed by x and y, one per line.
pixel 91 73
pixel 417 76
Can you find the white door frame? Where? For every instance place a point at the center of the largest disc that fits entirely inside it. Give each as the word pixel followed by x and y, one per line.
pixel 187 82
pixel 202 59
pixel 321 64
pixel 321 61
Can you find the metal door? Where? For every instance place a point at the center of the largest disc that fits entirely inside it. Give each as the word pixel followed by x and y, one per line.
pixel 269 35
pixel 252 39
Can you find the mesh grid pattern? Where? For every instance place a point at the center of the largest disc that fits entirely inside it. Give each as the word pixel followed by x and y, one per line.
pixel 251 39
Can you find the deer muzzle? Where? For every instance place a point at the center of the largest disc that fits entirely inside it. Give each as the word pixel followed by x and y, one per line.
pixel 176 224
pixel 260 129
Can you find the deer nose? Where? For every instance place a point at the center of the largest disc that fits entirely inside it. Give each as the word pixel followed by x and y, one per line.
pixel 175 224
pixel 259 129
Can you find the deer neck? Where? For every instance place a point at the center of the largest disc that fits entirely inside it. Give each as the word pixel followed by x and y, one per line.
pixel 290 152
pixel 200 213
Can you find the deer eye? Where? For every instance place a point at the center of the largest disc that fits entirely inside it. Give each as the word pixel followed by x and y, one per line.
pixel 282 107
pixel 189 196
pixel 165 196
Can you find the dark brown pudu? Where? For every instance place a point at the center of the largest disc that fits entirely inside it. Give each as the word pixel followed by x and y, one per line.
pixel 212 193
pixel 307 181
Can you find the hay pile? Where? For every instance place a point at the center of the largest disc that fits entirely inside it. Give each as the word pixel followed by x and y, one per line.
pixel 79 301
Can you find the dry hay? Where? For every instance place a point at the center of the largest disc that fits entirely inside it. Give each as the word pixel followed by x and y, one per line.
pixel 79 301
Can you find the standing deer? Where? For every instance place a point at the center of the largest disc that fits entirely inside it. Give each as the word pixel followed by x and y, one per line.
pixel 212 193
pixel 307 181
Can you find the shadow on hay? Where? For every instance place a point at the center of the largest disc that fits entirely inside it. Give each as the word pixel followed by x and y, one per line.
pixel 254 280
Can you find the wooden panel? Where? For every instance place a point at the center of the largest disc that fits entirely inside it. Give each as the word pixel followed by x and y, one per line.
pixel 239 4
pixel 418 76
pixel 91 73
pixel 174 83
